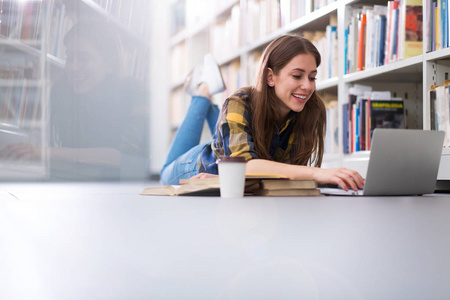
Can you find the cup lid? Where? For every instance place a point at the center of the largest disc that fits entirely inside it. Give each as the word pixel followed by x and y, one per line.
pixel 238 159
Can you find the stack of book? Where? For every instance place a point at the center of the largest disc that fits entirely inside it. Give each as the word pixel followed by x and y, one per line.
pixel 255 186
pixel 288 187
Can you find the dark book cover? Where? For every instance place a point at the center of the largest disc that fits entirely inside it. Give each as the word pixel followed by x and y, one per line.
pixel 386 114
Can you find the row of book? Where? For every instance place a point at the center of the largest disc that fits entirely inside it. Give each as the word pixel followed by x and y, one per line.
pixel 437 24
pixel 331 142
pixel 379 34
pixel 327 44
pixel 22 20
pixel 18 67
pixel 132 14
pixel 365 111
pixel 228 30
pixel 266 16
pixel 20 106
pixel 440 109
pixel 61 22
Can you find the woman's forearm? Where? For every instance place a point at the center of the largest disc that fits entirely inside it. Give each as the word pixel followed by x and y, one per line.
pixel 347 179
pixel 263 166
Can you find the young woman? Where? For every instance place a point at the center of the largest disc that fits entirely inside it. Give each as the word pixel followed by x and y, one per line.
pixel 277 125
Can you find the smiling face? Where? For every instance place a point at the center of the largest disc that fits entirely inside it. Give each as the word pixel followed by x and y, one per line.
pixel 85 65
pixel 294 83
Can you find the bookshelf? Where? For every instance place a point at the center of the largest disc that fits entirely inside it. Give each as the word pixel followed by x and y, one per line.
pixel 405 74
pixel 32 57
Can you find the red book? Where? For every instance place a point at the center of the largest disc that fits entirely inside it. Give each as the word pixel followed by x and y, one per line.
pixel 362 42
pixel 391 7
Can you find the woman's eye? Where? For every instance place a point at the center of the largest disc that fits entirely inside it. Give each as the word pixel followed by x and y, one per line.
pixel 297 76
pixel 312 78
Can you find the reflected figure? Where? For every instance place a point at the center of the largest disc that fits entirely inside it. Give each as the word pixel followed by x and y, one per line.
pixel 98 125
pixel 99 119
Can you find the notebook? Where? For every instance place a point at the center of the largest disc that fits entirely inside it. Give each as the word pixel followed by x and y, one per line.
pixel 402 162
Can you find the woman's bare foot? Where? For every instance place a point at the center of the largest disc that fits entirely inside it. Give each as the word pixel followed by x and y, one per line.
pixel 203 90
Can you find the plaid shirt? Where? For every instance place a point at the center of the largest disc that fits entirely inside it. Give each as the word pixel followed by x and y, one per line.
pixel 233 136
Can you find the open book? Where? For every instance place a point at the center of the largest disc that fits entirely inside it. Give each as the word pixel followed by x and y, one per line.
pixel 255 184
pixel 204 186
pixel 184 189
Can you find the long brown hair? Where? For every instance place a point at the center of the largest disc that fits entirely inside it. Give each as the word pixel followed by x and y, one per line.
pixel 309 124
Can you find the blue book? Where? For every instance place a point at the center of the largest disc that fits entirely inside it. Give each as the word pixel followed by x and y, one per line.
pixel 382 43
pixel 395 37
pixel 346 51
pixel 444 23
pixel 345 127
pixel 357 128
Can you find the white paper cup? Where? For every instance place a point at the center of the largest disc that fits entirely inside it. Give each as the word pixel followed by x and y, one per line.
pixel 231 176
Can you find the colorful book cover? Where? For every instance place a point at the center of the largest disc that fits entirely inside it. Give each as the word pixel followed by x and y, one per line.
pixel 413 39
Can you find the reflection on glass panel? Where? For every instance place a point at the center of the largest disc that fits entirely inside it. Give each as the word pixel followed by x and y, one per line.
pixel 73 97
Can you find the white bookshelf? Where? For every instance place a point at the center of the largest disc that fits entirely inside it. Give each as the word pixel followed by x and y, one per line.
pixel 407 78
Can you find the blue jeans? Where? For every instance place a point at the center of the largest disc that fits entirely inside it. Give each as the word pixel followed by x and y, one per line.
pixel 182 160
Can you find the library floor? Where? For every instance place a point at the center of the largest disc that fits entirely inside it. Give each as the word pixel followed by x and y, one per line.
pixel 105 241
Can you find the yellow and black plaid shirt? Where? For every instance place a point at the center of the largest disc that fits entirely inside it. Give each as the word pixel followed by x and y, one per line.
pixel 233 136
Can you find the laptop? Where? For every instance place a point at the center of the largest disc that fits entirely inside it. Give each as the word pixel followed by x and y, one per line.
pixel 402 162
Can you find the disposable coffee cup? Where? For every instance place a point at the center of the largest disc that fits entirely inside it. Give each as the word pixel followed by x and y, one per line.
pixel 231 176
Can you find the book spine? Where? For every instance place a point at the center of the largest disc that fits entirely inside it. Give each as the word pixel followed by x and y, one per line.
pixel 361 44
pixel 345 127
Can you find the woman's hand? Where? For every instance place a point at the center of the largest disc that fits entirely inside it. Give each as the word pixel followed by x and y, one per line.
pixel 345 178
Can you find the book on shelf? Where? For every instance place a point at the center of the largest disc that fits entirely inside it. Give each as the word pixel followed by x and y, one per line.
pixel 369 38
pixel 299 9
pixel 332 130
pixel 367 110
pixel 411 34
pixel 361 42
pixel 439 109
pixel 22 21
pixel 372 36
pixel 392 32
pixel 380 38
pixel 352 38
pixel 345 131
pixel 333 52
pixel 326 43
pixel 365 37
pixel 351 122
pixel 432 97
pixel 375 36
pixel 386 114
pixel 178 11
pixel 319 40
pixel 20 105
pixel 437 24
